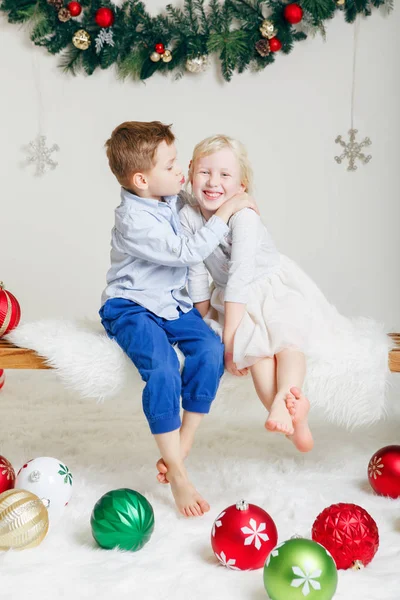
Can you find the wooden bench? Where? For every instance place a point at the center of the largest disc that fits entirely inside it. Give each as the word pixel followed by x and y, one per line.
pixel 14 357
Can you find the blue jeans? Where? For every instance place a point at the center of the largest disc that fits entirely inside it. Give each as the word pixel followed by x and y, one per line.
pixel 148 339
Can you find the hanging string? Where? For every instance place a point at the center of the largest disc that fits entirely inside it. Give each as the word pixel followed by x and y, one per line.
pixel 353 85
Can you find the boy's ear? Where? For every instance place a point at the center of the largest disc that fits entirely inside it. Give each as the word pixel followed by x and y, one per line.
pixel 139 181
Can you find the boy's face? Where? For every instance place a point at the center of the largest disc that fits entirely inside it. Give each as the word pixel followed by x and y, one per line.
pixel 216 178
pixel 165 178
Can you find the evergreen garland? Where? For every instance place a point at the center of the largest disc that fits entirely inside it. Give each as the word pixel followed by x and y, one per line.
pixel 184 36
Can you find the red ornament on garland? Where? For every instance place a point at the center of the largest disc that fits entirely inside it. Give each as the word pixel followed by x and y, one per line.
pixel 104 17
pixel 7 475
pixel 10 311
pixel 74 8
pixel 275 45
pixel 159 48
pixel 293 13
pixel 242 536
pixel 384 471
pixel 349 533
pixel 2 378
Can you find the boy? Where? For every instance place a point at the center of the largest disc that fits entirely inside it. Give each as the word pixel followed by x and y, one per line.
pixel 145 306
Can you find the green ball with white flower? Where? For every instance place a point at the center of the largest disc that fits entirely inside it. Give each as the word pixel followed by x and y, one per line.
pixel 300 569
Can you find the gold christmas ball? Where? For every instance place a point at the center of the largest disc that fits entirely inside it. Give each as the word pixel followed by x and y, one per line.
pixel 340 2
pixel 24 520
pixel 267 29
pixel 198 64
pixel 64 15
pixel 81 39
pixel 155 57
pixel 167 56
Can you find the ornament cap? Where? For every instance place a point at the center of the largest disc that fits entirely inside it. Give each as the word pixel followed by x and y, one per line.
pixel 1 285
pixel 357 565
pixel 242 505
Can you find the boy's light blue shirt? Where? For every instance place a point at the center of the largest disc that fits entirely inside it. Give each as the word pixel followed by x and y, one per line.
pixel 150 253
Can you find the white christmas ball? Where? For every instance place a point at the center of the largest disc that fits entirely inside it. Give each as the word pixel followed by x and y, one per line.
pixel 51 480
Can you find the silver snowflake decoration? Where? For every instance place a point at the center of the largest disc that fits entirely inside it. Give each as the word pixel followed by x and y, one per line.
pixel 353 150
pixel 105 37
pixel 40 154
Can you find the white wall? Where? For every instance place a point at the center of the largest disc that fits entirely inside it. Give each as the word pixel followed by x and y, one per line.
pixel 342 228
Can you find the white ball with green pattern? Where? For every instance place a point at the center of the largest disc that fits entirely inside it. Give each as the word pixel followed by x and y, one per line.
pixel 300 569
pixel 51 480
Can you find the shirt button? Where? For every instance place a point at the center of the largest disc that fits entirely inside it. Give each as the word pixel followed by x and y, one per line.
pixel 175 250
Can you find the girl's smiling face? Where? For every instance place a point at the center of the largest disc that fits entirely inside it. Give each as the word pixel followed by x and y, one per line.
pixel 216 178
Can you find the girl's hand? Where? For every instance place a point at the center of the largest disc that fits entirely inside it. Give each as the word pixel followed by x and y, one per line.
pixel 231 366
pixel 236 203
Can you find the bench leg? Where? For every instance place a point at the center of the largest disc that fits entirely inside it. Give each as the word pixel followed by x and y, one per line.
pixel 2 378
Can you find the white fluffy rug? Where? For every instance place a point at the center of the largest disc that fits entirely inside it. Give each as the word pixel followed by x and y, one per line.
pixel 347 380
pixel 108 446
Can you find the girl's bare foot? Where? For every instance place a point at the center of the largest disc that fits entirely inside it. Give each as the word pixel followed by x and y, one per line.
pixel 188 500
pixel 279 419
pixel 298 406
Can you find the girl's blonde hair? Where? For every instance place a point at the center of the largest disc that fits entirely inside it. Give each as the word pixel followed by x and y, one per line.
pixel 215 143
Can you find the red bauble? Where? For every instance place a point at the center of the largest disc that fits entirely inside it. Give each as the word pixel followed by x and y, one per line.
pixel 104 17
pixel 384 471
pixel 349 533
pixel 2 378
pixel 7 475
pixel 275 45
pixel 242 536
pixel 10 311
pixel 159 48
pixel 293 13
pixel 74 8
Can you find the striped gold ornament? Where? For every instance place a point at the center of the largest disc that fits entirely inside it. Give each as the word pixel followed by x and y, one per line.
pixel 24 520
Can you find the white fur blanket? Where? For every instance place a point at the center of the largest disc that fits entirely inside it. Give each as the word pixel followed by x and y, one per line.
pixel 348 383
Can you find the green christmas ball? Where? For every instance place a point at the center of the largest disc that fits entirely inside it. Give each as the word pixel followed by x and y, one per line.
pixel 300 569
pixel 122 518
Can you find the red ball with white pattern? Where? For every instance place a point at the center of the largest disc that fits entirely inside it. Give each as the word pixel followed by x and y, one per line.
pixel 7 475
pixel 242 536
pixel 384 471
pixel 2 378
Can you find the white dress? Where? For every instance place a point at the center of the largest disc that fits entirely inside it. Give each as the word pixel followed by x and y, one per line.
pixel 284 307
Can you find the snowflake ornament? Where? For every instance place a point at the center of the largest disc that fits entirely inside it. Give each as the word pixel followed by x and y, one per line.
pixel 105 36
pixel 306 579
pixel 40 154
pixel 375 467
pixel 353 150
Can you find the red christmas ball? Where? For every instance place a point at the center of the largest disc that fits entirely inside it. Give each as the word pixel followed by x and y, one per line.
pixel 293 13
pixel 7 475
pixel 275 45
pixel 384 471
pixel 104 17
pixel 2 378
pixel 159 48
pixel 349 533
pixel 242 536
pixel 10 311
pixel 74 8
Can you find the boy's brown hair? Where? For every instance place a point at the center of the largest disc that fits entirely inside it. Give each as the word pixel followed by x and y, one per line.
pixel 132 147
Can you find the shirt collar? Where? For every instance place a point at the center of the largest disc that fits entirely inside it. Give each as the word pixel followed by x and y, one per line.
pixel 127 196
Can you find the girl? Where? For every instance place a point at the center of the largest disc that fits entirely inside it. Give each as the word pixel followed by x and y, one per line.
pixel 270 311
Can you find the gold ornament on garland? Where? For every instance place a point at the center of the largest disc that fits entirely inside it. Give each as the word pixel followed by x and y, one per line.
pixel 340 2
pixel 24 520
pixel 262 47
pixel 167 56
pixel 58 4
pixel 64 15
pixel 155 57
pixel 198 64
pixel 268 30
pixel 81 39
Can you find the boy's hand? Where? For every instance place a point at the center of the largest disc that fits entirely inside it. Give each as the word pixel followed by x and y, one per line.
pixel 231 366
pixel 236 203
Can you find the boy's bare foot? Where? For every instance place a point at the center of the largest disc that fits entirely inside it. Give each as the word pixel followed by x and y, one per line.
pixel 279 419
pixel 298 406
pixel 162 471
pixel 188 500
